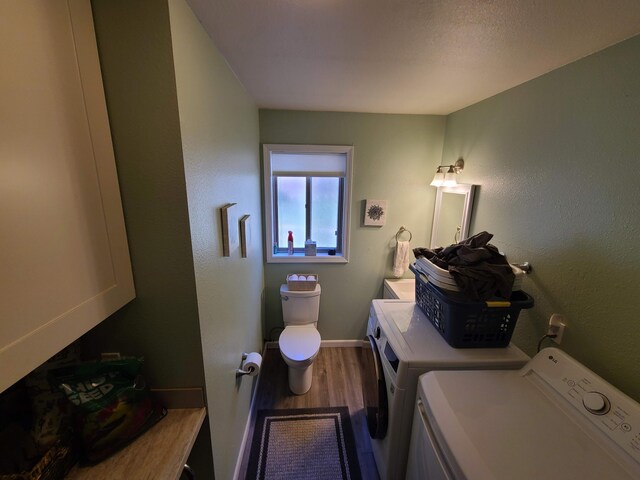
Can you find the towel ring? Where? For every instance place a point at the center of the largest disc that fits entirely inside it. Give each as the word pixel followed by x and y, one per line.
pixel 401 231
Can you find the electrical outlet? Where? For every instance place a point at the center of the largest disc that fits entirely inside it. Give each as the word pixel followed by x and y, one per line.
pixel 556 327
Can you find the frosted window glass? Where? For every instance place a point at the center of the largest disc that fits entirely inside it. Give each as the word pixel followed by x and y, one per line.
pixel 291 210
pixel 324 211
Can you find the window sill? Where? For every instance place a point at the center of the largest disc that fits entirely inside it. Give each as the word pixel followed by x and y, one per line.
pixel 301 258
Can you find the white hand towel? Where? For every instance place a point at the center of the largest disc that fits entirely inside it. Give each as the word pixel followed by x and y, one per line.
pixel 401 260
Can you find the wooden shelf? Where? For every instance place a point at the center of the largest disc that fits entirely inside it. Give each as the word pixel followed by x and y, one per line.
pixel 160 452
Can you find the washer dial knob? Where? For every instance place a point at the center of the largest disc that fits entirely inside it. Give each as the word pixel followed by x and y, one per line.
pixel 596 403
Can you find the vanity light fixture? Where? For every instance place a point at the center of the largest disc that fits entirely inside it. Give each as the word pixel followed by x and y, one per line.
pixel 438 178
pixel 448 179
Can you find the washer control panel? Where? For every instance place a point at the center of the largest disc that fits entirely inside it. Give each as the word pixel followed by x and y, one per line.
pixel 611 411
pixel 596 403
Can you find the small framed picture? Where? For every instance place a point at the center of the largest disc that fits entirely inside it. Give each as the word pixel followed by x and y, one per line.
pixel 375 213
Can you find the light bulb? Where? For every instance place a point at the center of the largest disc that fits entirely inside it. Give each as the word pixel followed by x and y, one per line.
pixel 438 179
pixel 450 178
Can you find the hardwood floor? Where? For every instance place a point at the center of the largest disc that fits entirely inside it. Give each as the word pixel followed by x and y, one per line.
pixel 336 382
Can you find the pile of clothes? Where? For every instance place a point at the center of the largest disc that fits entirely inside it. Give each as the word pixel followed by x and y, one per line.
pixel 478 268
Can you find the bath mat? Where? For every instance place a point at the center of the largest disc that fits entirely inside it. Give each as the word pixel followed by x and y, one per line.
pixel 301 444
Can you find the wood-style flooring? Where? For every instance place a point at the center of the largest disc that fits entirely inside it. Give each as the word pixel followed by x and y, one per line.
pixel 336 382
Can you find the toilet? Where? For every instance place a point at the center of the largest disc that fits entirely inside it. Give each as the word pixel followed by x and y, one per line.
pixel 300 341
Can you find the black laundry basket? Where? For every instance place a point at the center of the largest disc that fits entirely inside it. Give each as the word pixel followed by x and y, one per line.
pixel 468 324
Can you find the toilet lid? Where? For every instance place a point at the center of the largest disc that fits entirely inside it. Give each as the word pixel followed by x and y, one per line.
pixel 299 342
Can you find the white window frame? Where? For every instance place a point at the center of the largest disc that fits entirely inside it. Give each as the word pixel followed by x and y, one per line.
pixel 269 203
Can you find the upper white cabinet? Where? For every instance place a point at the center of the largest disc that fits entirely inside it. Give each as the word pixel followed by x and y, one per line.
pixel 64 259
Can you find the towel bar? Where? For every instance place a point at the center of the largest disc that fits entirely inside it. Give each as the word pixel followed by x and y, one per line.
pixel 525 267
pixel 401 230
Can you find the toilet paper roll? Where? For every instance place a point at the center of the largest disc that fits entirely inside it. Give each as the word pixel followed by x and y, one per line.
pixel 252 363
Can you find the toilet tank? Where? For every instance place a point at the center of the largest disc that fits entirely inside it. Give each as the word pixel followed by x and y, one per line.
pixel 300 307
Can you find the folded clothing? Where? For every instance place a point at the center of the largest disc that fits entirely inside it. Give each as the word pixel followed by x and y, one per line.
pixel 478 268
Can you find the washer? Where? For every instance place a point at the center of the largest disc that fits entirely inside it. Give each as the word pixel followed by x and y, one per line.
pixel 402 344
pixel 554 419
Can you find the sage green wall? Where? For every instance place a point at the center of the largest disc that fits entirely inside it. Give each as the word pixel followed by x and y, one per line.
pixel 219 125
pixel 394 159
pixel 162 322
pixel 143 113
pixel 557 164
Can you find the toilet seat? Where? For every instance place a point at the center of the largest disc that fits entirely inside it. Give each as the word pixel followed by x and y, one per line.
pixel 300 342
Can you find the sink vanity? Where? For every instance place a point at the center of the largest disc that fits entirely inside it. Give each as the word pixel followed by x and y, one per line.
pixel 399 288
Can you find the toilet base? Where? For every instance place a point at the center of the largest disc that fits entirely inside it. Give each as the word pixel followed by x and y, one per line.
pixel 300 379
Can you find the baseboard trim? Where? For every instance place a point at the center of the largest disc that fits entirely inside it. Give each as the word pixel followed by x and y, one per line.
pixel 341 343
pixel 326 344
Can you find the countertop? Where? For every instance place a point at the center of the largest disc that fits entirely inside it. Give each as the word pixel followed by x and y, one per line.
pixel 161 452
pixel 400 288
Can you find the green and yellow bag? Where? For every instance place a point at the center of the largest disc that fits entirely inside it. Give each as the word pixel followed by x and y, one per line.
pixel 112 404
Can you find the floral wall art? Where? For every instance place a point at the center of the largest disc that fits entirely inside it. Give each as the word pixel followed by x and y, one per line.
pixel 375 213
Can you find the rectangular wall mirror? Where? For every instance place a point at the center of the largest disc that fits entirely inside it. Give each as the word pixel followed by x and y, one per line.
pixel 452 215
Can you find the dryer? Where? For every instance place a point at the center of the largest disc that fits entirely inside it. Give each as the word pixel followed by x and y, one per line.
pixel 402 345
pixel 554 419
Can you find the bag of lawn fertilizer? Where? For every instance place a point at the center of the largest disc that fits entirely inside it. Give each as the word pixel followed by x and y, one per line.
pixel 112 404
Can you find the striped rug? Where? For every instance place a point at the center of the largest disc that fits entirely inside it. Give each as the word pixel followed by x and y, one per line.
pixel 303 444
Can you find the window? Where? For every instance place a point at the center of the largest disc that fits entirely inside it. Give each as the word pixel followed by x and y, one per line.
pixel 307 192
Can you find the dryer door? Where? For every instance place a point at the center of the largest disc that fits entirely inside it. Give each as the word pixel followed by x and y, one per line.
pixel 374 390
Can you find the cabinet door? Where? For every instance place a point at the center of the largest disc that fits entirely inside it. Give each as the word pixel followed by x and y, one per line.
pixel 64 259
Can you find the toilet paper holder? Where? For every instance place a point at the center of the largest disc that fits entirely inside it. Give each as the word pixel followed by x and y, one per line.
pixel 240 372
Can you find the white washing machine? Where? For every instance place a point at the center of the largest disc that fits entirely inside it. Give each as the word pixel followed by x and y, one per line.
pixel 402 345
pixel 552 420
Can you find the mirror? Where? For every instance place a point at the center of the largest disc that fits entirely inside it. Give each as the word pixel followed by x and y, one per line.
pixel 452 215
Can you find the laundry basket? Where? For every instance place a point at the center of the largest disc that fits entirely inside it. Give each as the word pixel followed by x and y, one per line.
pixel 468 324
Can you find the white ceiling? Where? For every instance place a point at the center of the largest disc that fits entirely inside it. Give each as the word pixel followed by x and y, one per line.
pixel 404 56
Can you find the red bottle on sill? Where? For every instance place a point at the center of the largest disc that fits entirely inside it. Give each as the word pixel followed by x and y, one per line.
pixel 290 242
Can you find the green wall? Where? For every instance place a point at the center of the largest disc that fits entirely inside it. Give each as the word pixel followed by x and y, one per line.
pixel 394 159
pixel 143 113
pixel 186 141
pixel 557 164
pixel 219 126
pixel 162 322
